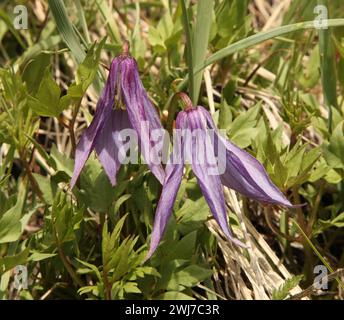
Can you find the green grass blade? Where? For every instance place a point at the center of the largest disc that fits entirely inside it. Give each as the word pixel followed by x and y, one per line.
pixel 328 69
pixel 105 10
pixel 200 41
pixel 82 20
pixel 66 29
pixel 253 40
pixel 189 47
pixel 260 37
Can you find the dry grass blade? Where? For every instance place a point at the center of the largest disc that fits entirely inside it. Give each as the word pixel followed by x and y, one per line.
pixel 258 273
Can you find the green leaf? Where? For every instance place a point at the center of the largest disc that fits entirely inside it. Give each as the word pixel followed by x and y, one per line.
pixel 320 170
pixel 242 129
pixel 332 176
pixel 119 260
pixel 111 243
pixel 85 75
pixel 120 201
pixel 91 267
pixel 164 37
pixel 88 289
pixel 39 256
pixel 34 69
pixel 131 287
pixel 307 164
pixel 156 41
pixel 284 290
pixel 188 277
pixel 12 222
pixel 66 218
pixel 336 146
pixel 47 187
pixel 116 255
pixel 192 215
pixel 9 262
pixel 185 248
pixel 225 115
pixel 146 270
pixel 46 101
pixel 62 163
pixel 231 17
pixel 310 76
pixel 339 221
pixel 95 191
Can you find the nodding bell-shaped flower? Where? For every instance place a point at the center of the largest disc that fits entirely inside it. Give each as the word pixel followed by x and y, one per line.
pixel 124 104
pixel 236 169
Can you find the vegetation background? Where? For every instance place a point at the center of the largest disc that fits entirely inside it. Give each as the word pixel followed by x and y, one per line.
pixel 277 91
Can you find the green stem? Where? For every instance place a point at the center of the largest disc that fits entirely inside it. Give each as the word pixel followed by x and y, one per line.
pixel 189 47
pixel 63 257
pixel 71 127
pixel 326 264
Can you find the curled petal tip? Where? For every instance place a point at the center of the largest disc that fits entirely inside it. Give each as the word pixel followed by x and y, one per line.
pixel 294 206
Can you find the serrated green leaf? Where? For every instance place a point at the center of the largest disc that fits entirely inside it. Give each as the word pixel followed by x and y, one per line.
pixel 284 290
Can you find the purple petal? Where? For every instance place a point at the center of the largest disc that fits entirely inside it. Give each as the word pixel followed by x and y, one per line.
pixel 107 142
pixel 142 115
pixel 244 173
pixel 174 174
pixel 210 184
pixel 165 205
pixel 151 113
pixel 103 110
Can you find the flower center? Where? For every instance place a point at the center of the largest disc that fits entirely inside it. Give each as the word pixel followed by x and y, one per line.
pixel 118 103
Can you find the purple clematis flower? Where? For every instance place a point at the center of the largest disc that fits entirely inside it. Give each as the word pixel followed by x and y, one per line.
pixel 242 172
pixel 124 104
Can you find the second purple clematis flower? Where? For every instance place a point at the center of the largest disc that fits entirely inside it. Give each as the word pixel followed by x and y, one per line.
pixel 241 171
pixel 124 104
